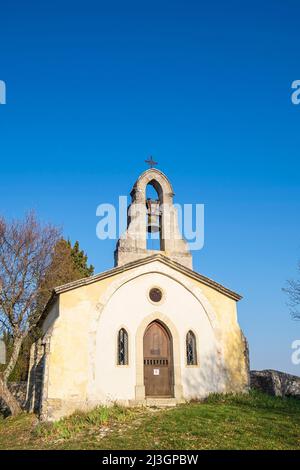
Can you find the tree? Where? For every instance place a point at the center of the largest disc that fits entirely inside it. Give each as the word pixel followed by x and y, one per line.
pixel 26 252
pixel 68 264
pixel 20 371
pixel 80 260
pixel 293 292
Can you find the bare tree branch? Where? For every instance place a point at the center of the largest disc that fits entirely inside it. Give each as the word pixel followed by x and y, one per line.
pixel 26 252
pixel 293 291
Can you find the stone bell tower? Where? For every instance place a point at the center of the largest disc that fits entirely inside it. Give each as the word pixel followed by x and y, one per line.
pixel 152 215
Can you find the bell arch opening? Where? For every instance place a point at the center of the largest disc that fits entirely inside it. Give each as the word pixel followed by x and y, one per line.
pixel 148 213
pixel 153 199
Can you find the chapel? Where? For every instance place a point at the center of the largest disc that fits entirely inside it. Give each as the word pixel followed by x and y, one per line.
pixel 149 331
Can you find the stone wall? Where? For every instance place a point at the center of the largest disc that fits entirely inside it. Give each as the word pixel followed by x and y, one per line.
pixel 35 376
pixel 275 383
pixel 19 391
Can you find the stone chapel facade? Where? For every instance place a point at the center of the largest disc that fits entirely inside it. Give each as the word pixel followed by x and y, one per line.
pixel 151 330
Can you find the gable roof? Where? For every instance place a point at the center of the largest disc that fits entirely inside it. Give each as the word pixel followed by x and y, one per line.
pixel 134 264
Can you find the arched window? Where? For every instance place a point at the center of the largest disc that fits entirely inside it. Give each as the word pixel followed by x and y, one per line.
pixel 122 347
pixel 191 351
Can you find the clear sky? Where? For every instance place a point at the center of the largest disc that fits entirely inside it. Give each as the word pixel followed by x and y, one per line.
pixel 94 88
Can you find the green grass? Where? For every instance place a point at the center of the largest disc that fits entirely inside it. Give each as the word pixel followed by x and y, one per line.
pixel 254 421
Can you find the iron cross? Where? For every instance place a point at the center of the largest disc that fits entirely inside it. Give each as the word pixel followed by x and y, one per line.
pixel 151 162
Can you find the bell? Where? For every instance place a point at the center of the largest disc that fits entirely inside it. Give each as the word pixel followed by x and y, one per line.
pixel 153 224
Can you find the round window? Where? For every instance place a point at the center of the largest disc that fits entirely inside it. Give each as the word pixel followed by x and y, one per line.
pixel 155 294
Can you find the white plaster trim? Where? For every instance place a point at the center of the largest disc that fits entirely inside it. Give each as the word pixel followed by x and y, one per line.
pixel 164 270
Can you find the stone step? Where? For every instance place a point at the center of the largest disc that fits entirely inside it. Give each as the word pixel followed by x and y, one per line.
pixel 161 402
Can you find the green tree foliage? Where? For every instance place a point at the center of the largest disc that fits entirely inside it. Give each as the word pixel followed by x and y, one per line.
pixel 80 260
pixel 69 263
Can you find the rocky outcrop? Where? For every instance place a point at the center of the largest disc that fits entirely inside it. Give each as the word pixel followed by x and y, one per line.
pixel 275 383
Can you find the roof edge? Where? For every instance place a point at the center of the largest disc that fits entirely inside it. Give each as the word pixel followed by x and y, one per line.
pixel 119 269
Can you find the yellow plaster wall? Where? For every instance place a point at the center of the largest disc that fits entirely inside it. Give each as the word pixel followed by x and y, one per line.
pixel 68 359
pixel 69 349
pixel 232 339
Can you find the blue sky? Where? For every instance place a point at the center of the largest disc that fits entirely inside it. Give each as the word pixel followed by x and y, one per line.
pixel 94 88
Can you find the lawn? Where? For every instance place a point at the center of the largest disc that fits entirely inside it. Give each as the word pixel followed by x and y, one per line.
pixel 254 421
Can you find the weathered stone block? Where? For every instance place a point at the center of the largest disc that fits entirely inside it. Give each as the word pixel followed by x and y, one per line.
pixel 275 383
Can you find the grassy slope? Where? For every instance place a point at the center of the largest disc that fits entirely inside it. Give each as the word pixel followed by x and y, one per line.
pixel 221 422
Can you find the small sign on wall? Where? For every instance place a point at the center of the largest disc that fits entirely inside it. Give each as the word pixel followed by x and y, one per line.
pixel 155 371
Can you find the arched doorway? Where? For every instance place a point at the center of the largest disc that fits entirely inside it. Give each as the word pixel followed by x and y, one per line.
pixel 158 361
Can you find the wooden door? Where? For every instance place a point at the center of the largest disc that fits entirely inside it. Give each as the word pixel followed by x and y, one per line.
pixel 158 364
